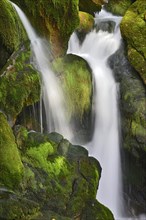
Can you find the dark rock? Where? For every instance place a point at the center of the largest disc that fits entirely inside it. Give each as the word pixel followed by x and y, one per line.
pixel 132 109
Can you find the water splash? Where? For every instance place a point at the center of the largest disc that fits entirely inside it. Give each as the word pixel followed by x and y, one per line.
pixel 52 94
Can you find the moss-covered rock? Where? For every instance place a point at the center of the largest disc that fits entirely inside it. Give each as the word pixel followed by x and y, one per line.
pixel 53 19
pixel 90 6
pixel 11 167
pixel 118 7
pixel 69 177
pixel 59 181
pixel 90 211
pixel 19 84
pixel 12 33
pixel 15 207
pixel 85 26
pixel 76 78
pixel 133 130
pixel 86 22
pixel 133 29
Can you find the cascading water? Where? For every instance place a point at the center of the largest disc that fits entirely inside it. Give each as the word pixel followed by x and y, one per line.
pixel 51 93
pixel 96 48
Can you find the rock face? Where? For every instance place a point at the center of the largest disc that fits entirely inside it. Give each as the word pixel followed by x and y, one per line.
pixel 132 108
pixel 133 29
pixel 56 20
pixel 90 6
pixel 59 181
pixel 12 33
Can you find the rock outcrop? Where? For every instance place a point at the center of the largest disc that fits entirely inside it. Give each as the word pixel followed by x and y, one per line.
pixel 133 29
pixel 132 109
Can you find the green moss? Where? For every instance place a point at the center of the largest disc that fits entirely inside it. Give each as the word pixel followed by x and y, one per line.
pixel 12 33
pixel 86 22
pixel 76 80
pixel 133 31
pixel 118 7
pixel 95 210
pixel 11 30
pixel 138 61
pixel 11 168
pixel 139 132
pixel 19 84
pixel 39 157
pixel 18 208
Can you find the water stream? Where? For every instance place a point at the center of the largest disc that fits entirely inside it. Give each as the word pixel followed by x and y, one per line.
pixel 52 95
pixel 96 48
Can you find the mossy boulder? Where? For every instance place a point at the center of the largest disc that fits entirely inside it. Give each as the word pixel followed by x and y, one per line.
pixel 12 33
pixel 19 84
pixel 56 20
pixel 76 78
pixel 86 22
pixel 11 167
pixel 59 181
pixel 85 26
pixel 90 6
pixel 133 29
pixel 118 7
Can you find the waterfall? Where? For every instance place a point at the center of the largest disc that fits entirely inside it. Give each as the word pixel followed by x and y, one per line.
pixel 96 49
pixel 52 94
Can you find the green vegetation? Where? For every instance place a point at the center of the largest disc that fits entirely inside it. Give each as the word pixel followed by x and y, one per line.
pixel 11 167
pixel 86 22
pixel 19 84
pixel 54 174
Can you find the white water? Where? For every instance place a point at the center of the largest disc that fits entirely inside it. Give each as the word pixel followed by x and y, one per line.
pixel 96 49
pixel 52 95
